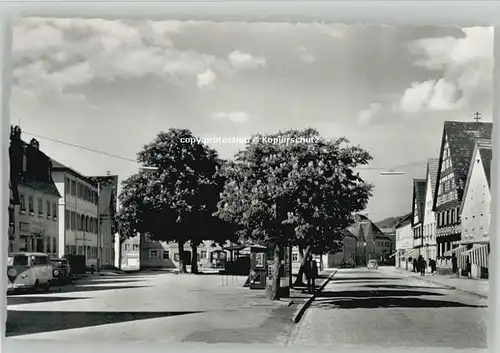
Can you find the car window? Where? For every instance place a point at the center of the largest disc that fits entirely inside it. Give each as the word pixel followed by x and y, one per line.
pixel 18 260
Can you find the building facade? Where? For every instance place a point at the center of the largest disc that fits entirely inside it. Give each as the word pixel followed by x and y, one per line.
pixel 429 225
pixel 417 221
pixel 34 213
pixel 137 253
pixel 383 247
pixel 457 146
pixel 476 210
pixel 107 187
pixel 404 241
pixel 78 209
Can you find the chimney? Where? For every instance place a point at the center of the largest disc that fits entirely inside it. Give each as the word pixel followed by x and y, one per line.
pixel 15 133
pixel 35 143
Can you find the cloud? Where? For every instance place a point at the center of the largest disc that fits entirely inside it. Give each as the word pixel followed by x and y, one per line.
pixel 305 56
pixel 235 116
pixel 367 114
pixel 206 78
pixel 242 61
pixel 465 67
pixel 53 55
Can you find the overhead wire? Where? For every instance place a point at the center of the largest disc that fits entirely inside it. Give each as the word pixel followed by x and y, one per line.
pixel 128 159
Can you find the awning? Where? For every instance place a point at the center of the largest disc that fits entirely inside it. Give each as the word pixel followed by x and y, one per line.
pixel 479 256
pixel 394 254
pixel 410 252
pixel 456 251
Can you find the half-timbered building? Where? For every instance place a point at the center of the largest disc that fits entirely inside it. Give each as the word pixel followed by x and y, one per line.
pixel 418 214
pixel 457 147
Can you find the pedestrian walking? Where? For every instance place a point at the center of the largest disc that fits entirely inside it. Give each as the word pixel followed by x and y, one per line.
pixel 422 265
pixel 432 264
pixel 311 272
pixel 415 265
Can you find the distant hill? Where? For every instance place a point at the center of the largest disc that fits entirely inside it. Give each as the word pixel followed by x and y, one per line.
pixel 389 222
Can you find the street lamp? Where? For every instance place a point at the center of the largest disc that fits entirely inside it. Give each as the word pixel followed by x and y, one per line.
pixel 391 172
pixel 148 169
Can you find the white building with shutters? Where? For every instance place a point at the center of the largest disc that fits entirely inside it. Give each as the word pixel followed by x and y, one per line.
pixel 476 210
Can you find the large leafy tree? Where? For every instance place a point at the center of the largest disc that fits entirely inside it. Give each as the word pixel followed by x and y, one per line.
pixel 294 188
pixel 176 202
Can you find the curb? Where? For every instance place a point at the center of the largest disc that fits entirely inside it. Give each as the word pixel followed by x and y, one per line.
pixel 309 301
pixel 445 285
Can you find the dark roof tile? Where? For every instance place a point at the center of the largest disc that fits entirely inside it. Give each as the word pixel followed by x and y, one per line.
pixel 432 170
pixel 419 196
pixel 462 137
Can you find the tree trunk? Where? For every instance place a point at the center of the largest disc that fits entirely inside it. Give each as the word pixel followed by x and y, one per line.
pixel 182 263
pixel 273 288
pixel 303 254
pixel 194 259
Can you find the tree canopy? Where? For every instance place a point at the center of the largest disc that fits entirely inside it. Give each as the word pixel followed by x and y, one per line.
pixel 176 202
pixel 295 188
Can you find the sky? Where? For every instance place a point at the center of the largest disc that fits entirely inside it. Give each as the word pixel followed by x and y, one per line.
pixel 111 86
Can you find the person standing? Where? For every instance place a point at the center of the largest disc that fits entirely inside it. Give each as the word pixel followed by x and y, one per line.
pixel 415 265
pixel 422 265
pixel 311 272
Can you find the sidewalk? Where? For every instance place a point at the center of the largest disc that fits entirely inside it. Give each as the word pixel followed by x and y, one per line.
pixel 479 287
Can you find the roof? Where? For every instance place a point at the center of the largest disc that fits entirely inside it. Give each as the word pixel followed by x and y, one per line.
pixel 432 172
pixel 419 196
pixel 47 186
pixel 404 221
pixel 108 186
pixel 43 186
pixel 485 152
pixel 462 137
pixel 59 167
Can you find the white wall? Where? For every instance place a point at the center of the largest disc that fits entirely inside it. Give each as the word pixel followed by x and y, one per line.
pixel 476 212
pixel 429 222
pixel 70 237
pixel 404 237
pixel 30 223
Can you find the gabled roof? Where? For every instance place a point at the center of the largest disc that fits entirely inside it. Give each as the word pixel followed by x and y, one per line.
pixel 461 137
pixel 432 171
pixel 404 221
pixel 59 167
pixel 484 150
pixel 108 186
pixel 419 197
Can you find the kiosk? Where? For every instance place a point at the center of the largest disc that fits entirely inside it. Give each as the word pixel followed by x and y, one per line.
pixel 258 266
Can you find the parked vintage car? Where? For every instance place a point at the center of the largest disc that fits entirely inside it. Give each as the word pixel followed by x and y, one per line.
pixel 28 271
pixel 61 271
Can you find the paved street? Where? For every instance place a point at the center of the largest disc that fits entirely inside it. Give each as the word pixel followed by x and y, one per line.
pixel 152 306
pixel 384 308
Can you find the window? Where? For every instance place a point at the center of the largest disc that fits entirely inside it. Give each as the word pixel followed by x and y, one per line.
pixel 135 247
pixel 66 219
pixel 48 209
pixel 73 220
pixel 23 202
pixel 176 257
pixel 31 204
pixel 73 187
pixel 67 185
pixel 166 254
pixel 153 254
pixel 54 210
pixel 39 205
pixel 203 254
pixel 295 257
pixel 54 245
